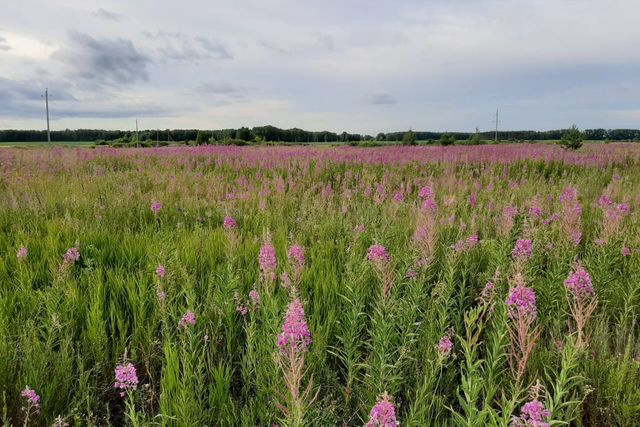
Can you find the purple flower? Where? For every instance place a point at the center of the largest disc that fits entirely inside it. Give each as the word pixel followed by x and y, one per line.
pixel 383 413
pixel 72 255
pixel 32 398
pixel 533 414
pixel 358 229
pixel 425 193
pixel 296 253
pixel 377 253
pixel 229 223
pixel 22 253
pixel 189 318
pixel 160 271
pixel 267 258
pixel 254 296
pixel 445 345
pixel 126 378
pixel 156 206
pixel 625 251
pixel 411 274
pixel 398 197
pixel 295 335
pixel 522 249
pixel 161 294
pixel 521 302
pixel 579 284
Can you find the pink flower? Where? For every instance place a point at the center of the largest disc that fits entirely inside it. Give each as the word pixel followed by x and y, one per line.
pixel 445 345
pixel 411 274
pixel 22 253
pixel 160 271
pixel 625 251
pixel 295 335
pixel 521 302
pixel 229 223
pixel 579 284
pixel 425 193
pixel 160 294
pixel 189 318
pixel 398 197
pixel 126 378
pixel 254 296
pixel 156 206
pixel 33 400
pixel 377 253
pixel 522 249
pixel 383 413
pixel 533 414
pixel 267 258
pixel 296 253
pixel 358 229
pixel 72 255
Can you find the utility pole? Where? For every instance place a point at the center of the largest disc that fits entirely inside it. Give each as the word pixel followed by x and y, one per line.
pixel 46 103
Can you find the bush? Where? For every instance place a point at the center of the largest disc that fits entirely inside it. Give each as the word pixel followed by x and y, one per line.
pixel 409 138
pixel 447 139
pixel 572 138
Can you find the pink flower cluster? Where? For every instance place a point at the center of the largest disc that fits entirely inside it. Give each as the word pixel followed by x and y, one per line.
pixel 579 284
pixel 126 378
pixel 22 253
pixel 156 206
pixel 296 254
pixel 295 335
pixel 267 258
pixel 33 400
pixel 521 303
pixel 229 223
pixel 378 253
pixel 160 271
pixel 522 249
pixel 72 255
pixel 445 345
pixel 466 244
pixel 383 414
pixel 425 193
pixel 189 319
pixel 533 414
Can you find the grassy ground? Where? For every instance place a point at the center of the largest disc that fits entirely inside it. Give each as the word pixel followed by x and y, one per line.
pixel 420 325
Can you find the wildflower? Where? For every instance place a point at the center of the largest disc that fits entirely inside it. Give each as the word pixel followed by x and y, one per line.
pixel 160 271
pixel 473 200
pixel 522 249
pixel 295 334
pixel 71 256
pixel 377 253
pixel 533 414
pixel 383 413
pixel 398 197
pixel 189 318
pixel 359 229
pixel 161 294
pixel 445 345
pixel 229 223
pixel 243 310
pixel 425 193
pixel 156 206
pixel 521 302
pixel 22 253
pixel 267 258
pixel 126 378
pixel 33 400
pixel 625 251
pixel 579 284
pixel 296 253
pixel 411 274
pixel 285 280
pixel 254 296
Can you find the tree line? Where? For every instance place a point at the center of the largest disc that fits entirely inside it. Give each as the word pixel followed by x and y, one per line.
pixel 294 135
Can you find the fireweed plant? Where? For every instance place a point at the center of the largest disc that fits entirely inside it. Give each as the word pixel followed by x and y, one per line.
pixel 320 286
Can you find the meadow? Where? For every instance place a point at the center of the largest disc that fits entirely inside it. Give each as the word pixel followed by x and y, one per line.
pixel 495 285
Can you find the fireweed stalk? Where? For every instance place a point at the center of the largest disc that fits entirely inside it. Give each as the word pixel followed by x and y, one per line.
pixel 383 413
pixel 571 215
pixel 581 299
pixel 297 262
pixel 424 236
pixel 268 264
pixel 32 404
pixel 522 312
pixel 381 262
pixel 293 343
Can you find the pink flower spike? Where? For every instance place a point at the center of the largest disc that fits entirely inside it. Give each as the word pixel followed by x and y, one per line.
pixel 295 334
pixel 22 253
pixel 126 378
pixel 383 413
pixel 160 271
pixel 156 207
pixel 189 319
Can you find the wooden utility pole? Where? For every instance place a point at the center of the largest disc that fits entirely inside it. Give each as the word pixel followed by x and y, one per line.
pixel 46 103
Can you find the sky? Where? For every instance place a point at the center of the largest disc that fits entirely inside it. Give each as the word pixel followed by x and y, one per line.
pixel 363 66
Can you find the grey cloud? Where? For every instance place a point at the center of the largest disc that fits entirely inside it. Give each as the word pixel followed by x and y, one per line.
pixel 181 47
pixel 271 46
pixel 103 61
pixel 382 99
pixel 3 44
pixel 106 15
pixel 218 89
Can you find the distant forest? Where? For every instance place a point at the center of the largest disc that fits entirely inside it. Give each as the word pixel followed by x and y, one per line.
pixel 274 134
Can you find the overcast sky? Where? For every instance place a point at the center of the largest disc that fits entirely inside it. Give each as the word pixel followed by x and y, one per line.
pixel 360 66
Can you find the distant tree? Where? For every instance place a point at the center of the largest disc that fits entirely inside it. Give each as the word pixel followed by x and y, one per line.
pixel 475 138
pixel 572 138
pixel 447 139
pixel 409 138
pixel 201 138
pixel 380 137
pixel 244 134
